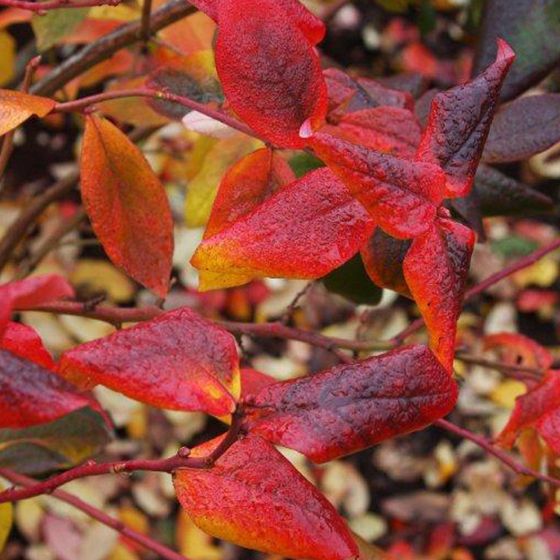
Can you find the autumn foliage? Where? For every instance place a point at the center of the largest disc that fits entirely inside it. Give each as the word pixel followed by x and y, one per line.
pixel 392 192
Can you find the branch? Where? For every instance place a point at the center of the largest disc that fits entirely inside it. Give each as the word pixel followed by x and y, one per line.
pixel 143 540
pixel 502 456
pixel 106 46
pixel 85 102
pixel 145 21
pixel 517 371
pixel 181 460
pixel 485 284
pixel 56 4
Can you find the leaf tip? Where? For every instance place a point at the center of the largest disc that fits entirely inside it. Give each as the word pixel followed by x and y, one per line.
pixel 306 129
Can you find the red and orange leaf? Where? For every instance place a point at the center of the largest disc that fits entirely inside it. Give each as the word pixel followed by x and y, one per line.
pixel 178 361
pixel 127 205
pixel 255 498
pixel 401 195
pixel 305 230
pixel 31 292
pixel 247 184
pixel 436 268
pixel 517 349
pixel 459 122
pixel 390 130
pixel 23 341
pixel 16 107
pixel 353 406
pixel 31 394
pixel 253 381
pixel 383 258
pixel 269 72
pixel 538 409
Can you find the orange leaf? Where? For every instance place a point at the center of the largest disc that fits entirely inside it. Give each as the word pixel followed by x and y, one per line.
pixel 255 498
pixel 16 107
pixel 249 182
pixel 127 205
pixel 178 361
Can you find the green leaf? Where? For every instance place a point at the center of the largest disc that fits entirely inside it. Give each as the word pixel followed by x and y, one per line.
pixel 352 282
pixel 303 162
pixel 514 246
pixel 60 444
pixel 54 25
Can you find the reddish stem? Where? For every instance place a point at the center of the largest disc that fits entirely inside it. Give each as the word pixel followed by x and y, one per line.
pixel 90 468
pixel 486 283
pixel 143 540
pixel 502 456
pixel 85 102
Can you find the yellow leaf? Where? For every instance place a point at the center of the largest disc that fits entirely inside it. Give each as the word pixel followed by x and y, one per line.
pixel 507 391
pixel 543 273
pixel 101 276
pixel 6 521
pixel 193 542
pixel 7 60
pixel 201 191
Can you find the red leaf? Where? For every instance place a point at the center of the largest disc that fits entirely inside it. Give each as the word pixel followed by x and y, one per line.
pixel 459 122
pixel 23 341
pixel 31 394
pixel 31 292
pixel 269 72
pixel 436 268
pixel 353 406
pixel 386 129
pixel 383 258
pixel 538 409
pixel 523 128
pixel 305 230
pixel 252 381
pixel 178 361
pixel 519 350
pixel 248 183
pixel 401 195
pixel 127 205
pixel 255 498
pixel 16 107
pixel 310 25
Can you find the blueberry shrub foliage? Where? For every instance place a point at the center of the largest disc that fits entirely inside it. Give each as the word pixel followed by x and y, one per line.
pixel 297 168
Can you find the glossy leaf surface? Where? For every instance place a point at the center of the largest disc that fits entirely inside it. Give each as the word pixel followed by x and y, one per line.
pixel 383 258
pixel 31 394
pixel 523 128
pixel 31 292
pixel 436 268
pixel 269 72
pixel 248 183
pixel 401 195
pixel 255 498
pixel 16 107
pixel 178 361
pixel 305 230
pixel 353 406
pixel 23 341
pixel 531 28
pixel 459 121
pixel 126 204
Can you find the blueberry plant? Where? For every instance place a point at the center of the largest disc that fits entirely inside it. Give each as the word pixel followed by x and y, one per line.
pixel 394 186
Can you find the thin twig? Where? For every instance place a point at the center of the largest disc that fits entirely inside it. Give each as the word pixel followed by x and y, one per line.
pixel 485 284
pixel 508 369
pixel 181 460
pixel 502 456
pixel 145 21
pixel 95 513
pixel 86 102
pixel 106 46
pixel 50 243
